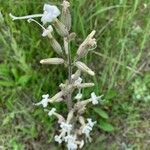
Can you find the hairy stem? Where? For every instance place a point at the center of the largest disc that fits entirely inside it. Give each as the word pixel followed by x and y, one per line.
pixel 68 52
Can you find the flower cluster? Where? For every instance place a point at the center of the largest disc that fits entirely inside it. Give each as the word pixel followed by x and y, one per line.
pixel 74 128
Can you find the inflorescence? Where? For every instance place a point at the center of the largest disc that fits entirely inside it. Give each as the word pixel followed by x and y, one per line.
pixel 74 128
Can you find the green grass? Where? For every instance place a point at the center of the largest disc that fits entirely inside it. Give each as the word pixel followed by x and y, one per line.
pixel 122 57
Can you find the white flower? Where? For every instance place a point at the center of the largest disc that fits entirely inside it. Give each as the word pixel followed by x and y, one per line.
pixel 78 96
pixel 88 128
pixel 66 127
pixel 58 139
pixel 50 13
pixel 71 142
pixel 52 112
pixel 94 98
pixel 78 81
pixel 44 101
pixel 47 31
pixel 90 123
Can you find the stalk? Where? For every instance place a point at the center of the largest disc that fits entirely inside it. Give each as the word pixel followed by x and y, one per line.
pixel 69 60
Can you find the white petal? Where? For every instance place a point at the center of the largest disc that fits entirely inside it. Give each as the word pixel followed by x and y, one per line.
pixel 52 111
pixel 66 127
pixel 50 13
pixel 78 81
pixel 58 139
pixel 78 96
pixel 47 31
pixel 45 96
pixel 94 98
pixel 90 122
pixel 44 101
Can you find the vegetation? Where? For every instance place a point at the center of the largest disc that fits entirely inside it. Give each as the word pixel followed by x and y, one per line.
pixel 120 61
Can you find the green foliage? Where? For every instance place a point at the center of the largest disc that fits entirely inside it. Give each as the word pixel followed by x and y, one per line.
pixel 104 125
pixel 123 47
pixel 140 88
pixel 101 113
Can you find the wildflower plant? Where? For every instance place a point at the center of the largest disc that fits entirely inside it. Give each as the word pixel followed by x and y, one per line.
pixel 74 130
pixel 141 90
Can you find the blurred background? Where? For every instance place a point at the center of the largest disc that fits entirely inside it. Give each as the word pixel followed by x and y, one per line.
pixel 121 62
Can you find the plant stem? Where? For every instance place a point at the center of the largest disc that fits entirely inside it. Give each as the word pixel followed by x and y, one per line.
pixel 68 52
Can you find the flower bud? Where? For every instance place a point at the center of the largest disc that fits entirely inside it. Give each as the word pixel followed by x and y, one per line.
pixel 70 116
pixel 85 85
pixel 80 106
pixel 88 43
pixel 66 16
pixel 56 46
pixel 48 31
pixel 59 100
pixel 80 65
pixel 60 28
pixel 82 121
pixel 53 61
pixel 60 118
pixel 56 96
pixel 76 75
pixel 81 144
pixel 66 46
pixel 71 36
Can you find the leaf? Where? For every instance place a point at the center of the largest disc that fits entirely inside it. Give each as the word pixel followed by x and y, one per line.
pixel 15 73
pixel 111 94
pixel 101 113
pixel 6 83
pixel 105 126
pixel 23 80
pixel 8 118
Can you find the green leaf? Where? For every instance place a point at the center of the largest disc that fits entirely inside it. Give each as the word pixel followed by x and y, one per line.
pixel 111 94
pixel 101 113
pixel 6 83
pixel 8 118
pixel 23 80
pixel 15 73
pixel 105 126
pixel 4 70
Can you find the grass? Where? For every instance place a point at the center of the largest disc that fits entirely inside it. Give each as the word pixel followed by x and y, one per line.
pixel 120 59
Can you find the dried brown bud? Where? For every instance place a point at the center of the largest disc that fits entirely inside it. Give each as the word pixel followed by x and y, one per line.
pixel 88 43
pixel 60 28
pixel 53 61
pixel 66 16
pixel 81 66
